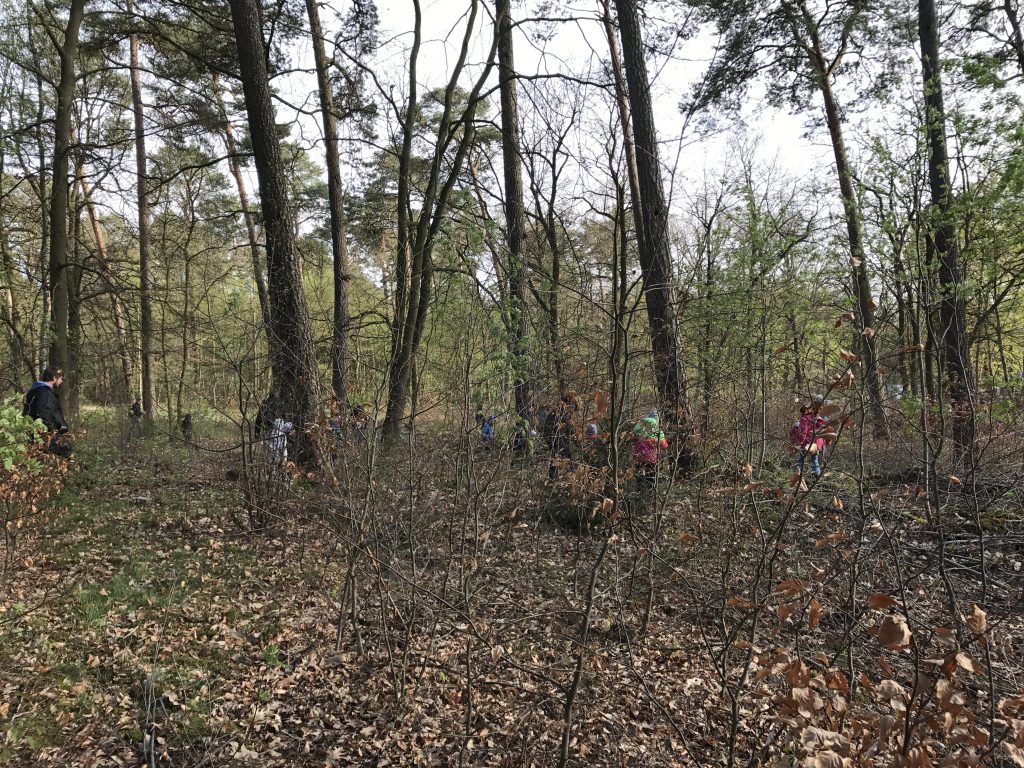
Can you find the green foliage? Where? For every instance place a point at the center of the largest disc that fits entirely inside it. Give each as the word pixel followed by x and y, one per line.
pixel 16 432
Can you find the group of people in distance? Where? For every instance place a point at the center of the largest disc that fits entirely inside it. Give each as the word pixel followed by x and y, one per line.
pixel 557 422
pixel 42 403
pixel 561 436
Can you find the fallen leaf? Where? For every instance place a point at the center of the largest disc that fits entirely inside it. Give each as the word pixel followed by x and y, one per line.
pixel 813 613
pixel 910 348
pixel 894 633
pixel 880 602
pixel 977 622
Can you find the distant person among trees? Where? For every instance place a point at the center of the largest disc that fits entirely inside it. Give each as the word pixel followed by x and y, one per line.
pixel 558 434
pixel 807 437
pixel 522 440
pixel 186 428
pixel 648 442
pixel 594 445
pixel 360 421
pixel 43 403
pixel 334 425
pixel 135 417
pixel 277 448
pixel 487 432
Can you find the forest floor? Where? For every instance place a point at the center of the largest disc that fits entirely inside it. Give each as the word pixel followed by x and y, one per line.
pixel 142 623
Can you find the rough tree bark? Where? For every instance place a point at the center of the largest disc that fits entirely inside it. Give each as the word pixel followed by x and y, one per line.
pixel 147 378
pixel 651 214
pixel 58 266
pixel 515 216
pixel 955 342
pixel 292 358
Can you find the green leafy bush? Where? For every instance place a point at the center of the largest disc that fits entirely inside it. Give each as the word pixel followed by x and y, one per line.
pixel 16 432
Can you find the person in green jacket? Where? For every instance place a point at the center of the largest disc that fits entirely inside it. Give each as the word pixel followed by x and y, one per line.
pixel 648 442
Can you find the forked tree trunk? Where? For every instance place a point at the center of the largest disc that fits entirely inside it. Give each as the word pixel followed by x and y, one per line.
pixel 414 263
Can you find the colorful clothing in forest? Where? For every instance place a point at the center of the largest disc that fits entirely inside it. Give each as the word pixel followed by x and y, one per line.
pixel 648 440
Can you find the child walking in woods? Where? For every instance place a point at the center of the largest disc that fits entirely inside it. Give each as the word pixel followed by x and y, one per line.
pixel 807 437
pixel 648 442
pixel 487 432
pixel 277 449
pixel 135 427
pixel 595 449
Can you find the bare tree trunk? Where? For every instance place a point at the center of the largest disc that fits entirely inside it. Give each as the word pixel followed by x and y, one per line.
pixel 651 213
pixel 247 218
pixel 415 268
pixel 58 267
pixel 851 210
pixel 44 242
pixel 552 304
pixel 124 342
pixel 336 199
pixel 406 271
pixel 622 101
pixel 12 317
pixel 186 341
pixel 145 270
pixel 515 216
pixel 292 357
pixel 960 382
pixel 73 367
pixel 861 281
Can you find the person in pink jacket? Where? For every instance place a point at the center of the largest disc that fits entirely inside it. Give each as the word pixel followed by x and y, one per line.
pixel 648 442
pixel 807 437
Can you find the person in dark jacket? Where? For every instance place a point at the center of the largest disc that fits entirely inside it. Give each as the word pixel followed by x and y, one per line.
pixel 42 403
pixel 558 430
pixel 135 419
